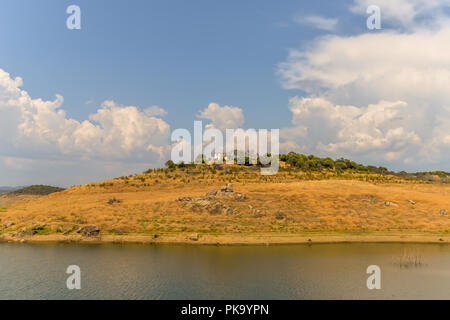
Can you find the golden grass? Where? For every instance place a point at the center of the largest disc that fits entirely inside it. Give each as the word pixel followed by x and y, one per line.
pixel 313 203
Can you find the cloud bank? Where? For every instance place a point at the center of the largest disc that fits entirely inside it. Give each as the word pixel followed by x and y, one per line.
pixel 377 96
pixel 33 131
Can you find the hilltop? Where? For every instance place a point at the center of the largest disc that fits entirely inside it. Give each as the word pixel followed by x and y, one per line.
pixel 40 190
pixel 231 204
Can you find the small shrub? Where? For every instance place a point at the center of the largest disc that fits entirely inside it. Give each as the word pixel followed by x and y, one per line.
pixel 114 200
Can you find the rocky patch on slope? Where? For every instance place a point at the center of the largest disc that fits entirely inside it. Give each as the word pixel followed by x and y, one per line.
pixel 211 201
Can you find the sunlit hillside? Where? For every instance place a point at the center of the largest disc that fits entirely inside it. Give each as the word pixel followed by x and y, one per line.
pixel 232 204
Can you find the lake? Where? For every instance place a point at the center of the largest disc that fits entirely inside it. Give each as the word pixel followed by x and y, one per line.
pixel 318 271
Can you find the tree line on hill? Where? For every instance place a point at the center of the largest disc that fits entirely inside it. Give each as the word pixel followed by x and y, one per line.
pixel 313 163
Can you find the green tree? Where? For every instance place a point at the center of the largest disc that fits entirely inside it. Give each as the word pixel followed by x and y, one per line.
pixel 170 164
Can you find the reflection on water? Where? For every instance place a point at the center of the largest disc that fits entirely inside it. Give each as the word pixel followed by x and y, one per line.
pixel 320 271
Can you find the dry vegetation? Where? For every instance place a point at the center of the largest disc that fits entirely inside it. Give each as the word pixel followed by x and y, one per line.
pixel 289 205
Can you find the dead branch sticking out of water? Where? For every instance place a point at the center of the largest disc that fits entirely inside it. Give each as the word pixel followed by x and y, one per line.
pixel 409 259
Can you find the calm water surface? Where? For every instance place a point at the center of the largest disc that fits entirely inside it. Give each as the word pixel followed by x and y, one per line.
pixel 320 271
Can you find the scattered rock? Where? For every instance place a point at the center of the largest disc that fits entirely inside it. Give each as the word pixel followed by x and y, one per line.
pixel 119 231
pixel 25 233
pixel 211 193
pixel 443 212
pixel 194 237
pixel 8 224
pixel 114 200
pixel 226 190
pixel 412 202
pixel 279 215
pixel 202 202
pixel 240 197
pixel 208 204
pixel 214 208
pixel 89 231
pixel 365 198
pixel 223 191
pixel 228 210
pixel 181 199
pixel 371 199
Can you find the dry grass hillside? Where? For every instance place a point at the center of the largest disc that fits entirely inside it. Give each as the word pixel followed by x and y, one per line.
pixel 171 205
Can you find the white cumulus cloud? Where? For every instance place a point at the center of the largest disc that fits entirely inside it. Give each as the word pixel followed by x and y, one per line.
pixel 37 129
pixel 384 94
pixel 319 22
pixel 155 111
pixel 222 118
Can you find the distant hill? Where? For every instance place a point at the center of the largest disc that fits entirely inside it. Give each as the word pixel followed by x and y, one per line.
pixel 4 189
pixel 40 190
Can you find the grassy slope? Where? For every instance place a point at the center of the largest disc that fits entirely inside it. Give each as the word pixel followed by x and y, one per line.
pixel 324 203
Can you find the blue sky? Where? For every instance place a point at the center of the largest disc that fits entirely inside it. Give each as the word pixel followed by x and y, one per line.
pixel 179 55
pixel 334 89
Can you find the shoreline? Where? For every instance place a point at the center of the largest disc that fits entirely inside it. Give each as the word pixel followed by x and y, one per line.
pixel 231 239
